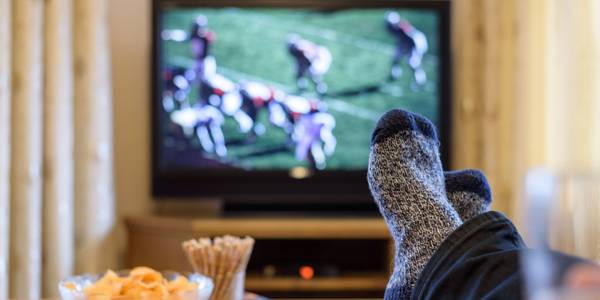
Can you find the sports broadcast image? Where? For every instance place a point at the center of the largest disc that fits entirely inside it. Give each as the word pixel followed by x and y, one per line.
pixel 274 89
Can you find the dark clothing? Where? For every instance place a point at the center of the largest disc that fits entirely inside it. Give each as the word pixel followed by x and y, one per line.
pixel 200 43
pixel 479 260
pixel 302 61
pixel 405 43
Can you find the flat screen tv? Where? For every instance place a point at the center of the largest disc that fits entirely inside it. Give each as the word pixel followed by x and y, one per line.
pixel 274 102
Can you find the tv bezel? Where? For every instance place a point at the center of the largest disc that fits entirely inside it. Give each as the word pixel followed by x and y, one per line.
pixel 264 187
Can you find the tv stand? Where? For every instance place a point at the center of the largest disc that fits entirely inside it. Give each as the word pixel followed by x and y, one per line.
pixel 351 256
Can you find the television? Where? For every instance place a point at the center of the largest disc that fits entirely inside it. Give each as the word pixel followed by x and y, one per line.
pixel 273 102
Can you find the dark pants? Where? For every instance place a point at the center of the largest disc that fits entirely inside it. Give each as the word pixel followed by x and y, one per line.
pixel 480 260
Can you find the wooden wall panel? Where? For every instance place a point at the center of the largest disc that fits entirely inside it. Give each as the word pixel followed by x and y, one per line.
pixel 26 157
pixel 527 84
pixel 467 44
pixel 483 53
pixel 5 72
pixel 95 212
pixel 573 92
pixel 58 237
pixel 499 99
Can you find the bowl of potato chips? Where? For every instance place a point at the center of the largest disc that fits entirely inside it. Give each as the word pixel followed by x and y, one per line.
pixel 140 283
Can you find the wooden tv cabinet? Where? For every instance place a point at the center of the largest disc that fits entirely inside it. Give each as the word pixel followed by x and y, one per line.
pixel 155 241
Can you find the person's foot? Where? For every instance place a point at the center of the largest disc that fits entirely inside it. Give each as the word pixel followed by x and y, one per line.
pixel 407 182
pixel 469 192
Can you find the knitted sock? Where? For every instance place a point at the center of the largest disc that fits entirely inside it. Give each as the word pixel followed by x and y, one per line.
pixel 469 192
pixel 407 182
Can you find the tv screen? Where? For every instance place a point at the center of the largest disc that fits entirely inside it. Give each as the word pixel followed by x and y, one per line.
pixel 294 91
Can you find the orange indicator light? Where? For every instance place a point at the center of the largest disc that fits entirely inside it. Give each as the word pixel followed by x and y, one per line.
pixel 307 272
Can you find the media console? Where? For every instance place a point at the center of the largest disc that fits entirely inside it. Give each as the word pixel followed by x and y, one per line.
pixel 293 257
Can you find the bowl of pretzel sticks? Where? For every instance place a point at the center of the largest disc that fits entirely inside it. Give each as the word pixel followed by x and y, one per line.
pixel 224 260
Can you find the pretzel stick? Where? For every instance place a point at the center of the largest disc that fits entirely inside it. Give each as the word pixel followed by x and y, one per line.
pixel 220 267
pixel 229 264
pixel 202 257
pixel 233 268
pixel 188 247
pixel 203 249
pixel 199 257
pixel 223 269
pixel 211 262
pixel 226 269
pixel 248 244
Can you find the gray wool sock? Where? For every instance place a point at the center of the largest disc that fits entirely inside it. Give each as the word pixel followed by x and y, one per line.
pixel 469 192
pixel 407 182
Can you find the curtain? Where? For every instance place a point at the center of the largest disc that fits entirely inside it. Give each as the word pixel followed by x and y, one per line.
pixel 526 90
pixel 56 190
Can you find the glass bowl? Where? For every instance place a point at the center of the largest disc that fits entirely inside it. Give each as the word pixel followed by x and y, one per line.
pixel 203 292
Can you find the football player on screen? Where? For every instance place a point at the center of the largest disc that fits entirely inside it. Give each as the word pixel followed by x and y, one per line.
pixel 411 43
pixel 204 121
pixel 287 111
pixel 200 38
pixel 222 93
pixel 176 87
pixel 312 62
pixel 313 135
pixel 256 97
pixel 312 128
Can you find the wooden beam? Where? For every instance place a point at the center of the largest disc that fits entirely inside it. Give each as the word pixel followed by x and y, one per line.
pixel 5 69
pixel 26 177
pixel 58 237
pixel 507 103
pixel 484 52
pixel 499 100
pixel 468 45
pixel 530 115
pixel 95 213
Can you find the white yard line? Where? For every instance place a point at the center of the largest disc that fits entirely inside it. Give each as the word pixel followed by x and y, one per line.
pixel 327 34
pixel 335 104
pixel 348 39
pixel 353 110
pixel 390 89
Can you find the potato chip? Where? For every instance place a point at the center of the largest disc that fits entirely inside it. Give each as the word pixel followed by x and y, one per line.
pixel 140 271
pixel 142 282
pixel 71 286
